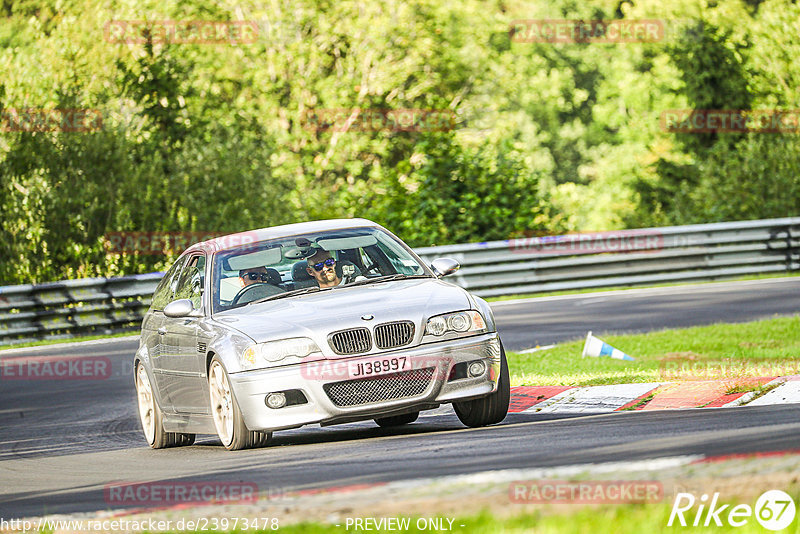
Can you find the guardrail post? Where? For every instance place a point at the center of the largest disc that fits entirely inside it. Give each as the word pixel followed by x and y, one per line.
pixel 789 251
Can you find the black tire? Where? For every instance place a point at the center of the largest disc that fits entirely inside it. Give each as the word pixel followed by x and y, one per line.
pixel 397 420
pixel 185 439
pixel 238 437
pixel 151 417
pixel 491 409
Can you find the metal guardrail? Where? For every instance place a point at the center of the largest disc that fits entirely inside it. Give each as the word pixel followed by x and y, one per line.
pixel 74 307
pixel 701 252
pixel 647 256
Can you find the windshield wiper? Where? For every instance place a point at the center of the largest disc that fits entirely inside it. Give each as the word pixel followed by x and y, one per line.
pixel 387 278
pixel 292 293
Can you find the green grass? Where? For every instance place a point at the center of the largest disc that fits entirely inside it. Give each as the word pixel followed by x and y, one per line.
pixel 616 518
pixel 722 351
pixel 625 288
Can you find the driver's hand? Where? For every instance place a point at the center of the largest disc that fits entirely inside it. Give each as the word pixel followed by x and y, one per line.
pixel 348 270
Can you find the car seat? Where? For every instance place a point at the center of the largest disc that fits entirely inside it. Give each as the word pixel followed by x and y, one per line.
pixel 274 277
pixel 300 276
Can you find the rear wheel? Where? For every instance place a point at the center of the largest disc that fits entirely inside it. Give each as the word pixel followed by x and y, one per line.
pixel 491 409
pixel 228 420
pixel 397 420
pixel 151 417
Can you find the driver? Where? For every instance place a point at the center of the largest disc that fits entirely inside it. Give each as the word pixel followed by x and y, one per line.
pixel 254 275
pixel 322 268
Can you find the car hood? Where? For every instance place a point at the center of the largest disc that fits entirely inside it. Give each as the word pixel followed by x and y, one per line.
pixel 316 315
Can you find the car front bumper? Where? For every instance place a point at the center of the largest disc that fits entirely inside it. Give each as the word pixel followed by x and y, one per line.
pixel 428 382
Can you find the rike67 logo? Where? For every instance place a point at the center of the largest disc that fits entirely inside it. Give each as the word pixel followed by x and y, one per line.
pixel 774 510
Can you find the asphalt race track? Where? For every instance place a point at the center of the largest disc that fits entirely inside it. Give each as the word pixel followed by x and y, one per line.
pixel 62 441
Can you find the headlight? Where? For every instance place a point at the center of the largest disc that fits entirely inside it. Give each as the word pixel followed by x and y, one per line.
pixel 437 326
pixel 466 322
pixel 272 352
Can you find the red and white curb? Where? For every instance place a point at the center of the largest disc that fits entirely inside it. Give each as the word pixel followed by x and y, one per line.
pixel 646 396
pixel 788 392
pixel 650 396
pixel 592 398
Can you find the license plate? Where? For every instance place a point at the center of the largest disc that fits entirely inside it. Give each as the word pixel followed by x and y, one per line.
pixel 378 366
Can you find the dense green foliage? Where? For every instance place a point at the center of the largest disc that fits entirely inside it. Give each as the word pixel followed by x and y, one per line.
pixel 547 138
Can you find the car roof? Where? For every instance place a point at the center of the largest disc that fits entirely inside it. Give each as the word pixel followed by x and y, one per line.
pixel 275 232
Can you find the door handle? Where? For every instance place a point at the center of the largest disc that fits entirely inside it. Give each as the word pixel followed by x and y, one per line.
pixel 162 331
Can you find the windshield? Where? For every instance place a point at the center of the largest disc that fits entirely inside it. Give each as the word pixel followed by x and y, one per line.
pixel 278 268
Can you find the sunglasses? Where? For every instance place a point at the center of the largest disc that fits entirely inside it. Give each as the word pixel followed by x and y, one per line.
pixel 330 262
pixel 256 276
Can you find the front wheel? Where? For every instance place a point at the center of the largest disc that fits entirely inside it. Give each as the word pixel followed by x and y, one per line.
pixel 491 409
pixel 228 420
pixel 151 417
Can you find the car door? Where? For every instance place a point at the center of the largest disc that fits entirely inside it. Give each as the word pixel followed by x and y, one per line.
pixel 184 361
pixel 154 333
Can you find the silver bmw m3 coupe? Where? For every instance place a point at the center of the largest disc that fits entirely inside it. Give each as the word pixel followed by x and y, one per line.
pixel 322 322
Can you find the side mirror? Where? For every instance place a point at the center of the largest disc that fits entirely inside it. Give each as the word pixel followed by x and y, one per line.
pixel 444 266
pixel 180 308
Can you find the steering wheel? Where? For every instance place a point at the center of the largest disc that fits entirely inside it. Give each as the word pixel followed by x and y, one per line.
pixel 255 292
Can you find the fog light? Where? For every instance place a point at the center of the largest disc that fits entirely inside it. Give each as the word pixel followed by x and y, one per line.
pixel 275 400
pixel 477 369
